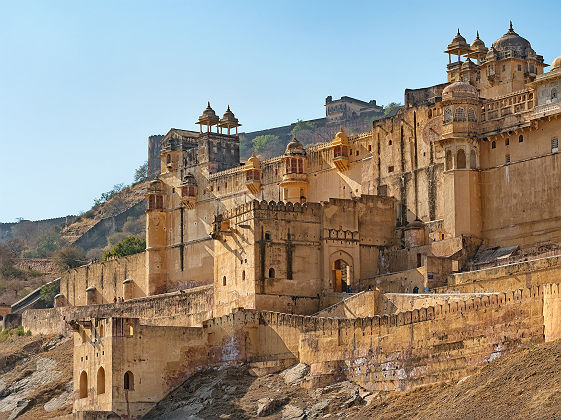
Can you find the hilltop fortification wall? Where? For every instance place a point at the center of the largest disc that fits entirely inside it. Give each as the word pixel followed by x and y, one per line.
pixel 188 308
pixel 104 281
pixel 394 352
pixel 506 277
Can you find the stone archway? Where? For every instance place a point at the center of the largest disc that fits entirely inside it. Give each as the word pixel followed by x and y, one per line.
pixel 340 275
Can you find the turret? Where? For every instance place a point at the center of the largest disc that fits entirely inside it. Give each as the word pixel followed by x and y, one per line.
pixel 295 179
pixel 253 173
pixel 460 128
pixel 156 238
pixel 188 191
pixel 340 147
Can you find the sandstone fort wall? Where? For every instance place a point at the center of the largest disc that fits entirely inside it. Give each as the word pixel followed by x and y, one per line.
pixel 189 308
pixel 107 278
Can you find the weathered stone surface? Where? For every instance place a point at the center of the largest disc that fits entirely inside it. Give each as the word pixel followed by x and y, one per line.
pixel 295 374
pixel 291 412
pixel 267 406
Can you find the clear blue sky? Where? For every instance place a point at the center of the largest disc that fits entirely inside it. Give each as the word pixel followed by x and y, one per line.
pixel 84 83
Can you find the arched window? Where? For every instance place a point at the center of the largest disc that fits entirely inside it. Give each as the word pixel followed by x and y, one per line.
pixel 448 115
pixel 430 113
pixel 101 381
pixel 390 142
pixel 224 281
pixel 131 329
pixel 553 94
pixel 100 331
pixel 448 160
pixel 83 335
pixel 271 273
pixel 471 115
pixel 168 159
pixel 472 160
pixel 243 275
pixel 520 138
pixel 461 159
pixel 493 144
pixel 128 382
pixel 460 114
pixel 83 384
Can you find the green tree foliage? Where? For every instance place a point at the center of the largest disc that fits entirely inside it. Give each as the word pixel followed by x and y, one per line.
pixel 264 142
pixel 391 109
pixel 48 293
pixel 301 126
pixel 69 257
pixel 141 173
pixel 128 246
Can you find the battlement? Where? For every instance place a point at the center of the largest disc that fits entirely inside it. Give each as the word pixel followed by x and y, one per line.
pixel 331 326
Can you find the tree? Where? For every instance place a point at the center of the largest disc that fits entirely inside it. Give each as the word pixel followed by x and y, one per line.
pixel 263 142
pixel 128 246
pixel 106 196
pixel 300 126
pixel 391 109
pixel 141 173
pixel 69 257
pixel 48 293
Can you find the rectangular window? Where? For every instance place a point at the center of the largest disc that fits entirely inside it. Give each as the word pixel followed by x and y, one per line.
pixel 390 169
pixel 507 159
pixel 519 67
pixel 554 145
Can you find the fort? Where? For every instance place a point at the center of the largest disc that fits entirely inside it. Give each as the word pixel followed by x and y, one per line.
pixel 404 255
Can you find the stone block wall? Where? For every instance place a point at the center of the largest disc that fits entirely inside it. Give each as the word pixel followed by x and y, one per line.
pixel 189 308
pixel 107 278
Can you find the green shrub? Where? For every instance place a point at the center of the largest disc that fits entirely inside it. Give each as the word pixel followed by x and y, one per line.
pixel 20 331
pixel 28 333
pixel 128 246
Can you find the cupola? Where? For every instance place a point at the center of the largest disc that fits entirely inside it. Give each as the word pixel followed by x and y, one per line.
pixel 208 118
pixel 340 147
pixel 478 49
pixel 253 172
pixel 229 121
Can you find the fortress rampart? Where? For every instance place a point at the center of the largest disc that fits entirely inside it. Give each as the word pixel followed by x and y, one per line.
pixel 398 351
pixel 187 308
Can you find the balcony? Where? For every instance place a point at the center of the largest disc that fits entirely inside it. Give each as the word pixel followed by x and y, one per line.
pixel 547 110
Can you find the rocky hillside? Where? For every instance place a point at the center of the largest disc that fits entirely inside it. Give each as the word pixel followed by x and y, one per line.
pixel 36 377
pixel 525 384
pixel 116 205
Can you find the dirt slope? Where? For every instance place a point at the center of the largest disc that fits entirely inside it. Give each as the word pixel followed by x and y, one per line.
pixel 525 384
pixel 36 377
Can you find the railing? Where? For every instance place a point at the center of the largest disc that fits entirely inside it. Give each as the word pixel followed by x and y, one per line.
pixel 514 103
pixel 547 109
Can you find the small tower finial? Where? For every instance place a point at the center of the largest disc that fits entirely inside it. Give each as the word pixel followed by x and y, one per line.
pixel 511 29
pixel 477 37
pixel 228 107
pixel 208 104
pixel 458 31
